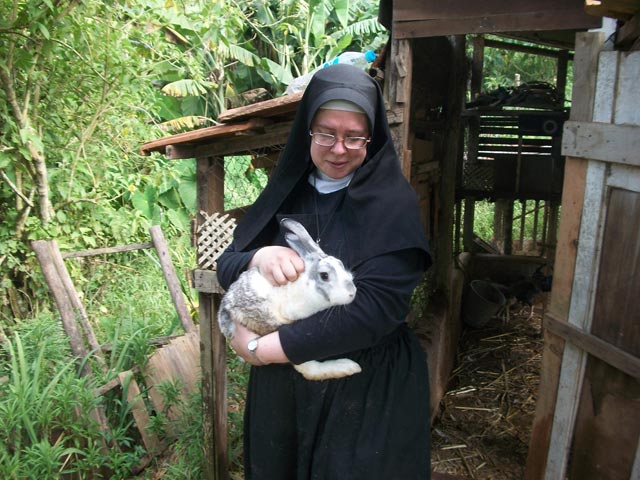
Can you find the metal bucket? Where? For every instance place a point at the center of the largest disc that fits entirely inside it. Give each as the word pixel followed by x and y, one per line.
pixel 482 301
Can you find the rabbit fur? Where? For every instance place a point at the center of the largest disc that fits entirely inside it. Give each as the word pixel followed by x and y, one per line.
pixel 261 307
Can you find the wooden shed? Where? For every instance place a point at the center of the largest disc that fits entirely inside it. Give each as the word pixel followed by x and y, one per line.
pixel 458 145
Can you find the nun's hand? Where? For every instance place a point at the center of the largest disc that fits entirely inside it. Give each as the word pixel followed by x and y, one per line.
pixel 279 265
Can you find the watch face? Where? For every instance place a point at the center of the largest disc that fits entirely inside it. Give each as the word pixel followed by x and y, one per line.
pixel 252 345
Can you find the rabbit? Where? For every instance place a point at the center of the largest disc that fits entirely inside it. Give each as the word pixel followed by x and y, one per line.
pixel 261 307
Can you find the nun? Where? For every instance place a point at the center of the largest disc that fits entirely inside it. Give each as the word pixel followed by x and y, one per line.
pixel 339 175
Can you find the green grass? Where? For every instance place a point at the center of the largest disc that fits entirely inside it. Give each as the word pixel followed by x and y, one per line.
pixel 45 427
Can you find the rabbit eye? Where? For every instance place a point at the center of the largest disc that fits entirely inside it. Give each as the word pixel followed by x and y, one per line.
pixel 324 276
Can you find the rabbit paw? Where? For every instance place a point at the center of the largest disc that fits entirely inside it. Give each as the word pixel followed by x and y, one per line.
pixel 314 370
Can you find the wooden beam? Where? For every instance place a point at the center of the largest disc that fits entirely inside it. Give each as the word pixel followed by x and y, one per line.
pixel 274 135
pixel 552 19
pixel 269 108
pixel 602 141
pixel 206 281
pixel 447 10
pixel 203 134
pixel 614 356
pixel 107 250
pixel 516 47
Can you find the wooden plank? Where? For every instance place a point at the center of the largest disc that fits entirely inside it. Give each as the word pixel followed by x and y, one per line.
pixel 206 281
pixel 545 405
pixel 178 361
pixel 284 105
pixel 546 52
pixel 605 98
pixel 107 250
pixel 451 9
pixel 616 318
pixel 533 142
pixel 203 134
pixel 553 19
pixel 608 408
pixel 585 67
pixel 404 97
pixel 171 278
pixel 605 351
pixel 628 89
pixel 574 359
pixel 397 88
pixel 150 440
pixel 273 136
pixel 607 425
pixel 588 46
pixel 599 141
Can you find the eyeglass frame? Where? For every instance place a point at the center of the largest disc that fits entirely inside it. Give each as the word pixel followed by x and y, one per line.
pixel 336 139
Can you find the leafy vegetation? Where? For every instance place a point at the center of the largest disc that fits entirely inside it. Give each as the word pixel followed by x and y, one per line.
pixel 82 86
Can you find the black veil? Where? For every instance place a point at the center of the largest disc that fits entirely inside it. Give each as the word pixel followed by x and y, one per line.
pixel 380 207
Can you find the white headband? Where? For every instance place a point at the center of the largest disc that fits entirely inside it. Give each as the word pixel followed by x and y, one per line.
pixel 342 105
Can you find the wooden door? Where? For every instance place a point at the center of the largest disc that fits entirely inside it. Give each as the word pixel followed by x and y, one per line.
pixel 595 427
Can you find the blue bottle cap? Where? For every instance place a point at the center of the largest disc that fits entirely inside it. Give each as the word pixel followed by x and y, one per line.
pixel 370 55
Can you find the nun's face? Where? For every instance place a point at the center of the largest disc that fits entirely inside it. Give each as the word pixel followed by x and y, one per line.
pixel 337 161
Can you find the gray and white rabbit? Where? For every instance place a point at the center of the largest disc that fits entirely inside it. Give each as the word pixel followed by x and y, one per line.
pixel 261 307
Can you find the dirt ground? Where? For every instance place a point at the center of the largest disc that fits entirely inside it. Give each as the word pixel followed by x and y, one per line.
pixel 483 427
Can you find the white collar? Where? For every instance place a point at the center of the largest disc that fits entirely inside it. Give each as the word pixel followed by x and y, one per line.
pixel 325 184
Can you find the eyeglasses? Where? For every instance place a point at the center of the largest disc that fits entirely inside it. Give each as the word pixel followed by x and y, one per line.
pixel 327 140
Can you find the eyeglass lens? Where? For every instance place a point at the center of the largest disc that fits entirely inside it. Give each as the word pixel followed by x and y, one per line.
pixel 327 140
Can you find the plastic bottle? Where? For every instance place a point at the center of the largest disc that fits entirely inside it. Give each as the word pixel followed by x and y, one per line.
pixel 357 59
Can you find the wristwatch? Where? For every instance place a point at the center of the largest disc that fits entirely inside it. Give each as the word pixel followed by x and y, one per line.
pixel 252 346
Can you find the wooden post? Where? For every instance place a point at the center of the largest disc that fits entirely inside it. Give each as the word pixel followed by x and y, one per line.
pixel 210 182
pixel 171 278
pixel 399 98
pixel 67 300
pixel 63 298
pixel 477 67
pixel 467 229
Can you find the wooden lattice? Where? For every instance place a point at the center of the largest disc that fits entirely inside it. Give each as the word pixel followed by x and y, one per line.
pixel 478 175
pixel 214 235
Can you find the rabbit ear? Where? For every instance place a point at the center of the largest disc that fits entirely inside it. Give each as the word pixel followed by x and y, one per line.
pixel 299 239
